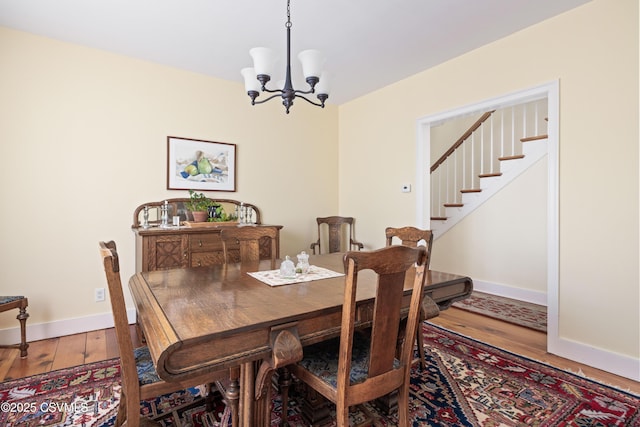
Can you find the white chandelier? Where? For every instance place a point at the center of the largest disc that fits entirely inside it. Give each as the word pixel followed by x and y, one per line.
pixel 264 59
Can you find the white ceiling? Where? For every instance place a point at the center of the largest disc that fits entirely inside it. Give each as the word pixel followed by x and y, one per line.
pixel 368 43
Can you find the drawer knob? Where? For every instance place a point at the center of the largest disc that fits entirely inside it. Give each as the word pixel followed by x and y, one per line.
pixel 200 243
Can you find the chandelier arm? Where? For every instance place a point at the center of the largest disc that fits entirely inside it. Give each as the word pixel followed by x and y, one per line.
pixel 272 91
pixel 317 104
pixel 304 92
pixel 268 99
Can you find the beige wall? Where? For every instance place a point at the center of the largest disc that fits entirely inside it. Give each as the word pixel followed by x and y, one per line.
pixel 83 143
pixel 593 52
pixel 504 242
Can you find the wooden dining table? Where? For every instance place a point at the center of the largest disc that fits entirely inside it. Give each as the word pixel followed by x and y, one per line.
pixel 204 319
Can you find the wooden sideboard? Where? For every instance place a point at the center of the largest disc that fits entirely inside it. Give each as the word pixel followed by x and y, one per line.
pixel 195 245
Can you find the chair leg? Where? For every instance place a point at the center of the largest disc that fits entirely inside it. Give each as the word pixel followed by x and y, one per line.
pixel 132 411
pixel 403 406
pixel 342 415
pixel 428 310
pixel 22 317
pixel 420 343
pixel 121 416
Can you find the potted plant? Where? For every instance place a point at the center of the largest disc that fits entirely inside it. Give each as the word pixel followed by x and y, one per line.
pixel 198 204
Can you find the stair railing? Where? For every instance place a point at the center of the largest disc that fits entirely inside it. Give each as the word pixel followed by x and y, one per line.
pixel 473 155
pixel 445 183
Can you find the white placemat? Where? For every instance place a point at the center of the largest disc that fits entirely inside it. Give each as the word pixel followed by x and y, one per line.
pixel 272 277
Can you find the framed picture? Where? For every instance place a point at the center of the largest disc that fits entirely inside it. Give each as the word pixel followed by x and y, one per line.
pixel 200 165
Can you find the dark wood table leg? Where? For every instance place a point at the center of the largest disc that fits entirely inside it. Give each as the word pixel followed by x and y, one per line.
pixel 314 407
pixel 284 384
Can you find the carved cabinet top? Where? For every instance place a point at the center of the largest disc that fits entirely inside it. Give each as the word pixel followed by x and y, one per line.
pixel 176 207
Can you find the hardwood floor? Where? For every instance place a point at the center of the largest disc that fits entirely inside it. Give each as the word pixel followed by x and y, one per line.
pixel 73 350
pixel 58 353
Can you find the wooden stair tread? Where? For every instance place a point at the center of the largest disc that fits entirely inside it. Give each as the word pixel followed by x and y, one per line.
pixel 479 190
pixel 489 175
pixel 533 138
pixel 516 157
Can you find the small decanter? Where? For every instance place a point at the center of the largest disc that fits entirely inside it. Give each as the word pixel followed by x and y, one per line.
pixel 145 217
pixel 303 263
pixel 287 269
pixel 164 215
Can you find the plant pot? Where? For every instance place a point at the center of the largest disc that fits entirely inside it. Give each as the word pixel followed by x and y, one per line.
pixel 200 216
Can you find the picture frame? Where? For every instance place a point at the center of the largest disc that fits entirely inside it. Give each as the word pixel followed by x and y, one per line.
pixel 200 165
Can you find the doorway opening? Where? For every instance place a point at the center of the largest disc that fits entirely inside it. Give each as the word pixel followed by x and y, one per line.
pixel 424 213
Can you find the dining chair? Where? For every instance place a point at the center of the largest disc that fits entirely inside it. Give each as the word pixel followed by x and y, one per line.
pixel 140 380
pixel 339 229
pixel 358 367
pixel 17 302
pixel 412 237
pixel 248 240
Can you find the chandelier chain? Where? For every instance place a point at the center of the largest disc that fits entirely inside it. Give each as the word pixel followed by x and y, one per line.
pixel 288 24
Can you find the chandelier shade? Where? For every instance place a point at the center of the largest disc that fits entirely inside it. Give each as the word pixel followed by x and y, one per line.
pixel 312 62
pixel 264 61
pixel 324 85
pixel 251 82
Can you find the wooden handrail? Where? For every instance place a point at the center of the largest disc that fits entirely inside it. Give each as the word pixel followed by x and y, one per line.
pixel 460 140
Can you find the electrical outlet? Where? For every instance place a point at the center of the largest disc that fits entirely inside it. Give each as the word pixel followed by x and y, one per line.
pixel 99 294
pixel 406 188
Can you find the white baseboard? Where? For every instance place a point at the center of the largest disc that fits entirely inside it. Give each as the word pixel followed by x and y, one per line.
pixel 59 328
pixel 528 295
pixel 618 364
pixel 615 363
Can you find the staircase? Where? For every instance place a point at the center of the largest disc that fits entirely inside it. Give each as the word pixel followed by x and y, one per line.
pixel 490 154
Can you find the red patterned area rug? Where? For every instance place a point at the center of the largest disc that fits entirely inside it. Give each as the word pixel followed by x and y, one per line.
pixel 521 313
pixel 466 383
pixel 86 395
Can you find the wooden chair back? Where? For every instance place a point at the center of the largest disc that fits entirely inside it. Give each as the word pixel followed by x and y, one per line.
pixel 412 237
pixel 249 240
pixel 395 266
pixel 132 391
pixel 340 235
pixel 130 383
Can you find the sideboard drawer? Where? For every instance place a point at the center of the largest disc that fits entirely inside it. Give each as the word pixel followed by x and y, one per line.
pixel 204 259
pixel 205 242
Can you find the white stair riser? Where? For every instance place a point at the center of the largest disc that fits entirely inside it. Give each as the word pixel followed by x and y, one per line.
pixel 510 169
